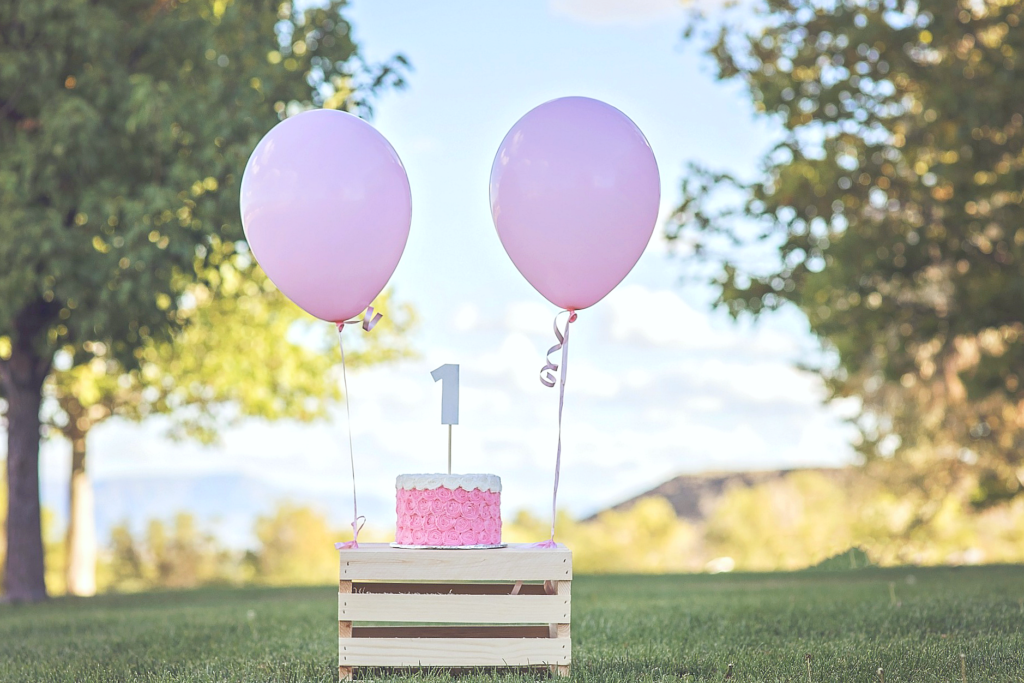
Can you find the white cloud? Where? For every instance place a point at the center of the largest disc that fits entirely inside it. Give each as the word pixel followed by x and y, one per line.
pixel 644 317
pixel 529 317
pixel 466 318
pixel 655 317
pixel 617 11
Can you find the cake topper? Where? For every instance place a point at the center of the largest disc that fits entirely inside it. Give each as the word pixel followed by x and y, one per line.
pixel 448 375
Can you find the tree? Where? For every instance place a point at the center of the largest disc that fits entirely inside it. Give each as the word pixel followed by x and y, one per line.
pixel 788 523
pixel 178 554
pixel 3 523
pixel 124 127
pixel 890 214
pixel 294 545
pixel 232 358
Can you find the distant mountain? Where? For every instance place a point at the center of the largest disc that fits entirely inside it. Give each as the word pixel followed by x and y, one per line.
pixel 228 504
pixel 694 496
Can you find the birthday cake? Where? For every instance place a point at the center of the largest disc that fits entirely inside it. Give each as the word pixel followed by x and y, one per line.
pixel 448 510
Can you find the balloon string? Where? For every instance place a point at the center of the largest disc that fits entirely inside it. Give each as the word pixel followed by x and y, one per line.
pixel 547 378
pixel 368 321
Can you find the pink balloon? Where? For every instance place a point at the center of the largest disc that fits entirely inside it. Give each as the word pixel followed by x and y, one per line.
pixel 326 209
pixel 574 196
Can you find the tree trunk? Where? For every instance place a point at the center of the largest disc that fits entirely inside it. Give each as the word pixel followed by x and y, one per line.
pixel 81 543
pixel 22 375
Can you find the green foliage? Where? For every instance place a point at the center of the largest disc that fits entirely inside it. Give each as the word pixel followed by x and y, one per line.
pixel 124 127
pixel 854 558
pixel 794 522
pixel 175 555
pixel 789 523
pixel 243 350
pixel 806 517
pixel 55 552
pixel 3 520
pixel 646 538
pixel 890 214
pixel 296 547
pixel 654 629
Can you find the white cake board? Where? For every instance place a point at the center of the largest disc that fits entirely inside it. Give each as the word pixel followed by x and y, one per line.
pixel 447 547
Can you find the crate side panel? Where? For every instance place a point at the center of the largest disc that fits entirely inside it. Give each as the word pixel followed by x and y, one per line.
pixel 454 609
pixel 449 632
pixel 380 562
pixel 453 651
pixel 460 588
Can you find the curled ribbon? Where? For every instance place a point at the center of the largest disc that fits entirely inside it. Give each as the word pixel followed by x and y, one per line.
pixel 368 321
pixel 547 373
pixel 357 526
pixel 547 378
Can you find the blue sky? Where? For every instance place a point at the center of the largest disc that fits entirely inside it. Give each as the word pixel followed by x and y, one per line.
pixel 660 384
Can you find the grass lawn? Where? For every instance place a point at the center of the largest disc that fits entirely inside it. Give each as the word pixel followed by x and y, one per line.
pixel 913 623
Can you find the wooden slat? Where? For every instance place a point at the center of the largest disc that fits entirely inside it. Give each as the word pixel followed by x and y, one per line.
pixel 456 588
pixel 449 632
pixel 453 651
pixel 561 631
pixel 454 609
pixel 344 627
pixel 563 589
pixel 379 561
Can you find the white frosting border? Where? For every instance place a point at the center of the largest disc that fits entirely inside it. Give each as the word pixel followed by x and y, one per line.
pixel 484 482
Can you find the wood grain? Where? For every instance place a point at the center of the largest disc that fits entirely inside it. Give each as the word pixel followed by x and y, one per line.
pixel 454 609
pixel 456 588
pixel 453 651
pixel 381 562
pixel 449 632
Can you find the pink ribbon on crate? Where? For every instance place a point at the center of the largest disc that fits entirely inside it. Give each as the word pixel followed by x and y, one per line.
pixel 368 321
pixel 547 378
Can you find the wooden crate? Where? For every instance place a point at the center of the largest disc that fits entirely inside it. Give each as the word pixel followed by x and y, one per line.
pixel 505 607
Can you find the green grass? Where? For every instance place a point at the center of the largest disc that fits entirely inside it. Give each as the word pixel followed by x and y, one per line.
pixel 913 623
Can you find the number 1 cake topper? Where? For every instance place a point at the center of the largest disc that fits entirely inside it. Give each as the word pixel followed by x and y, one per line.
pixel 448 375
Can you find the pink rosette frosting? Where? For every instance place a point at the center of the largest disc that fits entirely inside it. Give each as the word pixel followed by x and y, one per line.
pixel 439 514
pixel 423 506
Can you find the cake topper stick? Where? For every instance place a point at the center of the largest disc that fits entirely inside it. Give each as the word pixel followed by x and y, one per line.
pixel 449 400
